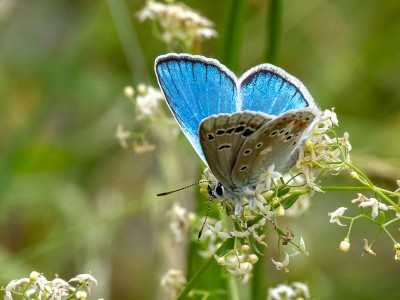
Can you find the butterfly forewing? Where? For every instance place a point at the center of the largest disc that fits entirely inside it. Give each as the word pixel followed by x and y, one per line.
pixel 195 88
pixel 273 143
pixel 222 137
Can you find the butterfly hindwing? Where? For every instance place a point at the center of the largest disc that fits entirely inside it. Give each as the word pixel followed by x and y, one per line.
pixel 222 137
pixel 270 89
pixel 273 143
pixel 195 88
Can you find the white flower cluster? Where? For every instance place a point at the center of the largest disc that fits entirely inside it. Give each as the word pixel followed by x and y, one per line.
pixel 173 281
pixel 148 100
pixel 322 152
pixel 179 24
pixel 238 262
pixel 375 207
pixel 283 264
pixel 38 287
pixel 180 221
pixel 293 291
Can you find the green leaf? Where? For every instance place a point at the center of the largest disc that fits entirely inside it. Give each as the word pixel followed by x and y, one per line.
pixel 289 201
pixel 283 191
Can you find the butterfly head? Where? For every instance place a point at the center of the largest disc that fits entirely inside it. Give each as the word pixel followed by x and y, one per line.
pixel 216 190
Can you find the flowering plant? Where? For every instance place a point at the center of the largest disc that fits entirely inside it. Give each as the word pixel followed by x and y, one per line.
pixel 237 242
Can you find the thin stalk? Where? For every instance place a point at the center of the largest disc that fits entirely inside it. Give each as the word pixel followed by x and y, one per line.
pixel 232 35
pixel 346 188
pixel 274 22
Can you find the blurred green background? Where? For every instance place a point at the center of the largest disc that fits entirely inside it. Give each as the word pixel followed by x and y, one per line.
pixel 73 201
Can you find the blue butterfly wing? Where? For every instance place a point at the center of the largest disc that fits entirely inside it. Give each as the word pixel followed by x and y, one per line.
pixel 272 90
pixel 195 88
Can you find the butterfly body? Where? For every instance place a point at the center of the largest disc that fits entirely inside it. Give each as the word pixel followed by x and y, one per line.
pixel 239 127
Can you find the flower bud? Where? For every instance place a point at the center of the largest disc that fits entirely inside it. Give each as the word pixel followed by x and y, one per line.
pixel 344 245
pixel 34 276
pixel 308 144
pixel 245 248
pixel 268 194
pixel 253 259
pixel 221 260
pixel 354 175
pixel 281 211
pixel 142 89
pixel 129 92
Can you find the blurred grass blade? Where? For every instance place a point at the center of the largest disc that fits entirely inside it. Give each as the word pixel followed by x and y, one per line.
pixel 193 281
pixel 274 29
pixel 232 35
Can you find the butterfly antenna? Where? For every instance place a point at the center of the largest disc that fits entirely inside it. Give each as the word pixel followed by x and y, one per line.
pixel 180 189
pixel 205 220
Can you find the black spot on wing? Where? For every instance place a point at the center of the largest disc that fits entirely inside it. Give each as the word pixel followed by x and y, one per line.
pixel 248 132
pixel 230 130
pixel 239 129
pixel 210 137
pixel 224 146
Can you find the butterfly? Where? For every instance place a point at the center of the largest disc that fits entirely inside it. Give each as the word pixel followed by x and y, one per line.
pixel 238 126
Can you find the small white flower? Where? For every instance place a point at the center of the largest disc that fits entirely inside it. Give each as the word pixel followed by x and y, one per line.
pixel 329 117
pixel 301 289
pixel 86 279
pixel 302 245
pixel 397 249
pixel 301 249
pixel 173 279
pixel 179 222
pixel 398 184
pixel 216 230
pixel 375 205
pixel 242 270
pixel 240 234
pixel 81 295
pixel 336 215
pixel 212 247
pixel 283 264
pixel 147 102
pixel 122 136
pixel 269 176
pixel 281 292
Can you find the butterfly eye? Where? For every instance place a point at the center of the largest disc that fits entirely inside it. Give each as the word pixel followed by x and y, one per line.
pixel 215 190
pixel 219 190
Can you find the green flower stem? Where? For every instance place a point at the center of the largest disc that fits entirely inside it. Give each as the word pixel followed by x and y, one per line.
pixel 394 194
pixel 200 272
pixel 345 188
pixel 359 172
pixel 350 226
pixel 391 221
pixel 388 233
